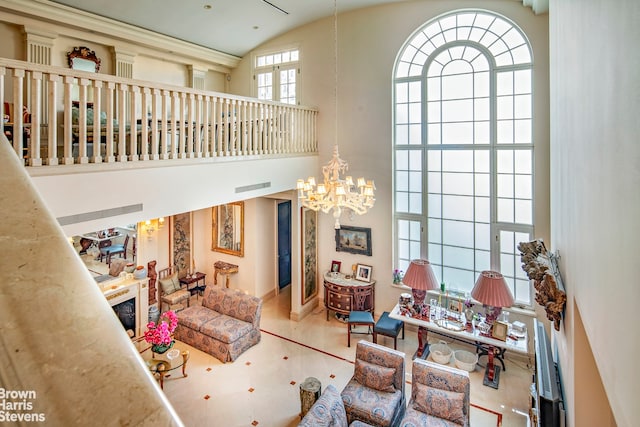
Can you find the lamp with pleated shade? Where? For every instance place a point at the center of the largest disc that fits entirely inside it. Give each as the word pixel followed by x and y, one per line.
pixel 420 278
pixel 493 292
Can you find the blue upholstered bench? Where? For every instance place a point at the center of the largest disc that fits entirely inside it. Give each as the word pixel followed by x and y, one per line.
pixel 388 327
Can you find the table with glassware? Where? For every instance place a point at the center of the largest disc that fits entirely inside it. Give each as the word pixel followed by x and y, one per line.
pixel 453 325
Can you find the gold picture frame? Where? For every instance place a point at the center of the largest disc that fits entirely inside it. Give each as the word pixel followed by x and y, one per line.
pixel 499 330
pixel 227 224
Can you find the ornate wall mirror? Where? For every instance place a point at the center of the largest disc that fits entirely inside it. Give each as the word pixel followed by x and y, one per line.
pixel 83 59
pixel 228 228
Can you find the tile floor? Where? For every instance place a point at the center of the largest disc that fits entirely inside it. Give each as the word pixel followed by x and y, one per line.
pixel 261 388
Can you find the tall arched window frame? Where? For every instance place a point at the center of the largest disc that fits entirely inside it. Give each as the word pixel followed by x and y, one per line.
pixel 463 149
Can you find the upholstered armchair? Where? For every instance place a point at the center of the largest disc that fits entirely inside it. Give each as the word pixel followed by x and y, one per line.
pixel 171 291
pixel 439 396
pixel 375 393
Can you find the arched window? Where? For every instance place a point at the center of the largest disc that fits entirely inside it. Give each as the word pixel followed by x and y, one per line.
pixel 463 149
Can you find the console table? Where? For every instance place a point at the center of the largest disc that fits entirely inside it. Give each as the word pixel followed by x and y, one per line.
pixel 485 344
pixel 343 295
pixel 223 268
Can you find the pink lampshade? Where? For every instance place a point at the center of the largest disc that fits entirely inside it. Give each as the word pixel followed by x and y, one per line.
pixel 420 276
pixel 491 289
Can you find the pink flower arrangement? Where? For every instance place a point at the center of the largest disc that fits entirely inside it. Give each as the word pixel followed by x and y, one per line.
pixel 160 333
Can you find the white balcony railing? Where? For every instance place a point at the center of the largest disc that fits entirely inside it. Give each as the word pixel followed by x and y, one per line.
pixel 57 116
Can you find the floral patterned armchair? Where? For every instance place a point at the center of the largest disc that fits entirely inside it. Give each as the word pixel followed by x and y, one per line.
pixel 439 396
pixel 375 393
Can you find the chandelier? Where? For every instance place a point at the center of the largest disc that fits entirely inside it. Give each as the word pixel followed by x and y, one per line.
pixel 335 192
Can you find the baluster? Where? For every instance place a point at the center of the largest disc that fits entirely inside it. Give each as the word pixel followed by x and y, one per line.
pixel 189 124
pixel 164 133
pixel 67 136
pixel 82 121
pixel 144 123
pixel 109 135
pixel 122 122
pixel 97 122
pixel 52 128
pixel 18 120
pixel 206 144
pixel 227 128
pixel 36 108
pixel 155 140
pixel 175 137
pixel 132 128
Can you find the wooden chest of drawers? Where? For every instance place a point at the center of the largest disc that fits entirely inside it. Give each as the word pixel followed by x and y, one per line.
pixel 344 295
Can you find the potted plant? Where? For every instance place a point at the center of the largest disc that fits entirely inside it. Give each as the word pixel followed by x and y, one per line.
pixel 159 334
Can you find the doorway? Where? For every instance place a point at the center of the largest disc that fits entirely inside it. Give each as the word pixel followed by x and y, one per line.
pixel 284 244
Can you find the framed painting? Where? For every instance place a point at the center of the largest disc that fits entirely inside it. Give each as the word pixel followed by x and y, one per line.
pixel 227 226
pixel 309 254
pixel 181 242
pixel 363 273
pixel 355 240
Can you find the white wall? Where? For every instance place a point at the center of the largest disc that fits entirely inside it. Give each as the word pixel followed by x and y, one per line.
pixel 369 40
pixel 595 176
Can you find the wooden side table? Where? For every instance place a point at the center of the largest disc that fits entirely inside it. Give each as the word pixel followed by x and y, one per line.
pixel 194 278
pixel 223 268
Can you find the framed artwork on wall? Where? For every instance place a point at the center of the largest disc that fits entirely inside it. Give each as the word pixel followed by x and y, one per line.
pixel 181 242
pixel 363 272
pixel 227 226
pixel 355 240
pixel 309 254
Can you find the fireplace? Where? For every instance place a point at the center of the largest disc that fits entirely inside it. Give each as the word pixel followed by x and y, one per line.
pixel 129 299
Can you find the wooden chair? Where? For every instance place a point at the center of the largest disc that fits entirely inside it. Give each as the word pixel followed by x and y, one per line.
pixel 109 251
pixel 170 288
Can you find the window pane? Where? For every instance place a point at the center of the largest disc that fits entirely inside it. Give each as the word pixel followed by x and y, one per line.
pixel 458 233
pixel 483 236
pixel 523 212
pixel 457 257
pixel 457 207
pixel 434 182
pixel 435 231
pixel 457 111
pixel 415 203
pixel 457 133
pixel 458 183
pixel 505 210
pixel 457 161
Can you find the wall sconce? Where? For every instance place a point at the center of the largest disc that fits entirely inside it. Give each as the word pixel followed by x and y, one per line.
pixel 151 225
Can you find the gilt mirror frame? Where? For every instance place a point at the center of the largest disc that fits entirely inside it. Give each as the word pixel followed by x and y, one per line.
pixel 227 224
pixel 83 59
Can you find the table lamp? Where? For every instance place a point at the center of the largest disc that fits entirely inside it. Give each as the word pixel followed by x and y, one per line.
pixel 493 292
pixel 420 278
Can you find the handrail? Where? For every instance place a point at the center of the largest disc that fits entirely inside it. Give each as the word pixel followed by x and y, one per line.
pixel 66 113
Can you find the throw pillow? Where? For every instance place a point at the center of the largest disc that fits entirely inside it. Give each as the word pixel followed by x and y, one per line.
pixel 170 284
pixel 448 405
pixel 374 376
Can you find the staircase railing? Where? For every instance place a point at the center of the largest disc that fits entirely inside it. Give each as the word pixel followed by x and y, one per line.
pixel 58 116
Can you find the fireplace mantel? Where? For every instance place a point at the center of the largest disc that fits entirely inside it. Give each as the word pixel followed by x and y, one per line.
pixel 121 289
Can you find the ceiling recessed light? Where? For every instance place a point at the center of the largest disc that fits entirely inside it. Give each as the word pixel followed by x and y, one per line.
pixel 255 27
pixel 207 6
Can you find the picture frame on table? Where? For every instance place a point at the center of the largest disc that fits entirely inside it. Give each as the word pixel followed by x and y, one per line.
pixel 355 240
pixel 454 306
pixel 500 330
pixel 335 266
pixel 363 272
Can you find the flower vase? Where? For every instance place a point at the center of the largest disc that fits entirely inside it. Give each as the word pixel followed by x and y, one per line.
pixel 161 348
pixel 468 314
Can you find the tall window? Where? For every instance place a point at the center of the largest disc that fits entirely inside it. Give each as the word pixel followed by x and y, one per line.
pixel 276 76
pixel 463 166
